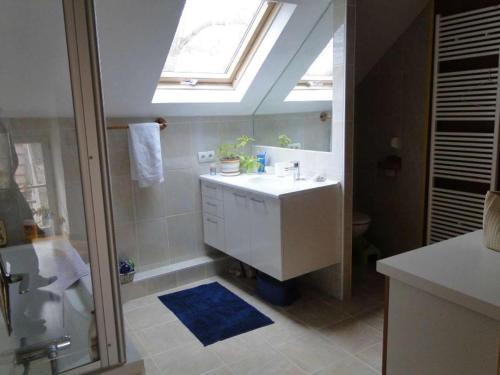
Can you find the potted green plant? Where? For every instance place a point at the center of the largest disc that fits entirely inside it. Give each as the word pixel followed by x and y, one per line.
pixel 127 271
pixel 229 159
pixel 248 164
pixel 232 158
pixel 284 140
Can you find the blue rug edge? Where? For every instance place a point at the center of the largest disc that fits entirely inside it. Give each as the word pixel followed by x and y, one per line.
pixel 265 319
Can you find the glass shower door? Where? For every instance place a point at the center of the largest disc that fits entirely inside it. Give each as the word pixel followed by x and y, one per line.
pixel 48 321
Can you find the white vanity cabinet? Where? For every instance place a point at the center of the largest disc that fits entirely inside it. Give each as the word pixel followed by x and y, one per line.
pixel 237 229
pixel 213 216
pixel 252 230
pixel 282 235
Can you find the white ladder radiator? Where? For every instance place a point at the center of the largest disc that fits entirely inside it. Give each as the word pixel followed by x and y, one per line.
pixel 465 118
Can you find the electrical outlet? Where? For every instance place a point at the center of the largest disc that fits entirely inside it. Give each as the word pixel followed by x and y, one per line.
pixel 206 156
pixel 295 146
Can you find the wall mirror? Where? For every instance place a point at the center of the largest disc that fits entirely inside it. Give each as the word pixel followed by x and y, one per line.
pixel 296 112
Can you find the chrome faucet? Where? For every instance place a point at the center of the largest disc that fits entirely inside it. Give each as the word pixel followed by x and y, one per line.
pixel 48 349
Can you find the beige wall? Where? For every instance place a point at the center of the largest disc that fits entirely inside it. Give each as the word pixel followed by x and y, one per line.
pixel 162 224
pixel 393 101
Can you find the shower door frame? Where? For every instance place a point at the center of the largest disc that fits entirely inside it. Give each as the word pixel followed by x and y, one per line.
pixel 81 39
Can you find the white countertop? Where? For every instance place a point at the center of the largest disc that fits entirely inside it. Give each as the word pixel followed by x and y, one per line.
pixel 460 270
pixel 269 185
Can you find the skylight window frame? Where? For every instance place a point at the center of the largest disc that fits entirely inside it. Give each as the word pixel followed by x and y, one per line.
pixel 243 55
pixel 316 82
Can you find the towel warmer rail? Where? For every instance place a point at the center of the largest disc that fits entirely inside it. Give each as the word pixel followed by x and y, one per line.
pixel 465 121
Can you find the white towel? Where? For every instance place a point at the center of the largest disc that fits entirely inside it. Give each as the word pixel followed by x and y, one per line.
pixel 144 146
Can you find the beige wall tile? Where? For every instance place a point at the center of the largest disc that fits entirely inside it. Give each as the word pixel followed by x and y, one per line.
pixel 152 242
pixel 180 191
pixel 149 201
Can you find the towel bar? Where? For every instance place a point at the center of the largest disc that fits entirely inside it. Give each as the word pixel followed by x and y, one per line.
pixel 160 120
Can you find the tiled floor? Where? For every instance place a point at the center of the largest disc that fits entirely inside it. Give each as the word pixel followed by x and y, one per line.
pixel 316 335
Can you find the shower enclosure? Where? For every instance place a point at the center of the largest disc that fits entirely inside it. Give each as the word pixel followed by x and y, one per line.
pixel 58 284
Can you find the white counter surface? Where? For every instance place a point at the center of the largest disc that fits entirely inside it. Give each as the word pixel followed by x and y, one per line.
pixel 460 270
pixel 269 185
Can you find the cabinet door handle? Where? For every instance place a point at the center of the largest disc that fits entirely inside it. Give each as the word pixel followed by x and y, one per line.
pixel 212 221
pixel 211 187
pixel 257 200
pixel 239 195
pixel 210 204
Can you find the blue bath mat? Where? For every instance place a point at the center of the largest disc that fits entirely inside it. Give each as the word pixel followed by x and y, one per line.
pixel 213 313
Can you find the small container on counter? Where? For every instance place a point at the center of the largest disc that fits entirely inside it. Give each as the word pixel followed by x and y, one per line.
pixel 213 169
pixel 261 159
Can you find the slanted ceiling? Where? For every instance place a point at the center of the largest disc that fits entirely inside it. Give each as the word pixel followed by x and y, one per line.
pixel 134 38
pixel 378 25
pixel 34 77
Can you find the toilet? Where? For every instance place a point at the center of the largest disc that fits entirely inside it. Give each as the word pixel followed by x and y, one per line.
pixel 360 224
pixel 365 251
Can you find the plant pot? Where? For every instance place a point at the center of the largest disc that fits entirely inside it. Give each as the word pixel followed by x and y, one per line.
pixel 491 220
pixel 230 167
pixel 126 278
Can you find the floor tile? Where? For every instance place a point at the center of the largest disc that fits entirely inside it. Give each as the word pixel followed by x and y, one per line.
pixel 151 368
pixel 316 313
pixel 266 363
pixel 314 335
pixel 148 316
pixel 138 302
pixel 283 330
pixel 187 360
pixel 349 366
pixel 374 319
pixel 311 352
pixel 357 305
pixel 352 335
pixel 372 356
pixel 239 348
pixel 224 370
pixel 170 335
pixel 138 344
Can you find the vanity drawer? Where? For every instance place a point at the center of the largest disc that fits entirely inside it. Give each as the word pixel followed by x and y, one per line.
pixel 209 190
pixel 213 207
pixel 213 231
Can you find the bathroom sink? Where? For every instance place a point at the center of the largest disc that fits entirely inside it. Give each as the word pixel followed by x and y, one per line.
pixel 270 180
pixel 271 185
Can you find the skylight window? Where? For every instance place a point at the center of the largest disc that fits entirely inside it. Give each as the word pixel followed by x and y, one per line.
pixel 316 84
pixel 215 39
pixel 321 70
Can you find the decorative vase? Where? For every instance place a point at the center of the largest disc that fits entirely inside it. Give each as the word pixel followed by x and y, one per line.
pixel 491 220
pixel 230 167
